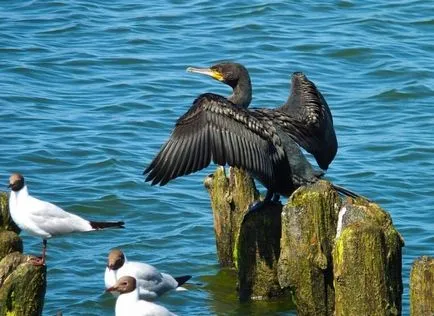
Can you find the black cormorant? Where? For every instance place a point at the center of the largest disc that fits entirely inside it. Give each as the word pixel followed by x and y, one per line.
pixel 258 141
pixel 311 120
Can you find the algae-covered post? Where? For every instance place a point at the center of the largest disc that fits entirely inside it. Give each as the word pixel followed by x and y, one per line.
pixel 257 252
pixel 367 261
pixel 6 223
pixel 308 232
pixel 230 197
pixel 22 285
pixel 422 287
pixel 249 243
pixel 338 258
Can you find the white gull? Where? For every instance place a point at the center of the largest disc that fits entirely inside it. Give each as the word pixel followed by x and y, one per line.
pixel 150 282
pixel 43 219
pixel 129 304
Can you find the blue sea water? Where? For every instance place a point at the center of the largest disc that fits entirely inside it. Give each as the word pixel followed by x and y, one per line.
pixel 91 89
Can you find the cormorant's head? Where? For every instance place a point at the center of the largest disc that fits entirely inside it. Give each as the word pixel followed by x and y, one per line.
pixel 233 74
pixel 229 73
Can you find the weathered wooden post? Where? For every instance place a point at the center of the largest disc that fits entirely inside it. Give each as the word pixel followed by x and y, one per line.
pixel 257 253
pixel 22 285
pixel 422 287
pixel 252 243
pixel 308 232
pixel 230 197
pixel 367 261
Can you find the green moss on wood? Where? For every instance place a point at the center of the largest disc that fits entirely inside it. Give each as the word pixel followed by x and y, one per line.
pixel 367 261
pixel 360 275
pixel 230 198
pixel 308 231
pixel 217 185
pixel 22 292
pixel 258 250
pixel 9 242
pixel 252 247
pixel 6 222
pixel 9 263
pixel 422 287
pixel 243 191
pixel 368 218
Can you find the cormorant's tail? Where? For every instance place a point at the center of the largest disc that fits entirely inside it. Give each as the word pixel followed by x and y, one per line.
pixel 182 279
pixel 102 225
pixel 347 192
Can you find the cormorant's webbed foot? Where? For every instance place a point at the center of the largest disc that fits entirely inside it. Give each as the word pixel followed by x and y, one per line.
pixel 256 206
pixel 276 198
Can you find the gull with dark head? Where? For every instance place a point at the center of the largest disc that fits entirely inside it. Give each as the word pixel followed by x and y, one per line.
pixel 44 219
pixel 128 302
pixel 151 283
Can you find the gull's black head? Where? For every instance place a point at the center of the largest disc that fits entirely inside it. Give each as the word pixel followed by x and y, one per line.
pixel 125 284
pixel 116 259
pixel 16 182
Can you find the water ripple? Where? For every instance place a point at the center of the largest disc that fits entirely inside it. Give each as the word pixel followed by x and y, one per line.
pixel 90 91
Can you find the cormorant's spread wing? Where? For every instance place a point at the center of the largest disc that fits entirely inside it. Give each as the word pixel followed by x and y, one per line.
pixel 214 129
pixel 311 120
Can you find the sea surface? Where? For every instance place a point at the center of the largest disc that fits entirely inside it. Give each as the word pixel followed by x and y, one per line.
pixel 90 90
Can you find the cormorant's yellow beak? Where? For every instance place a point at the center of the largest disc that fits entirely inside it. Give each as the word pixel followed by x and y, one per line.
pixel 207 71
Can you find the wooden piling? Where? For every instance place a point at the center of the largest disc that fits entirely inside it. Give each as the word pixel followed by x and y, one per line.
pixel 308 231
pixel 422 287
pixel 230 198
pixel 22 285
pixel 6 222
pixel 367 261
pixel 248 243
pixel 257 253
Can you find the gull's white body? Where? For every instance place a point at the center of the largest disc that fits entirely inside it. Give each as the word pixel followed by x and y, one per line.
pixel 41 218
pixel 128 304
pixel 150 282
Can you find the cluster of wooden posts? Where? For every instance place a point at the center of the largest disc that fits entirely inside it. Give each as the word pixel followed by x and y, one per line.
pixel 331 256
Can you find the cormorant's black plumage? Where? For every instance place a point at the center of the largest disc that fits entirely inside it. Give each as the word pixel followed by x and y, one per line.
pixel 309 120
pixel 310 112
pixel 261 141
pixel 213 129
